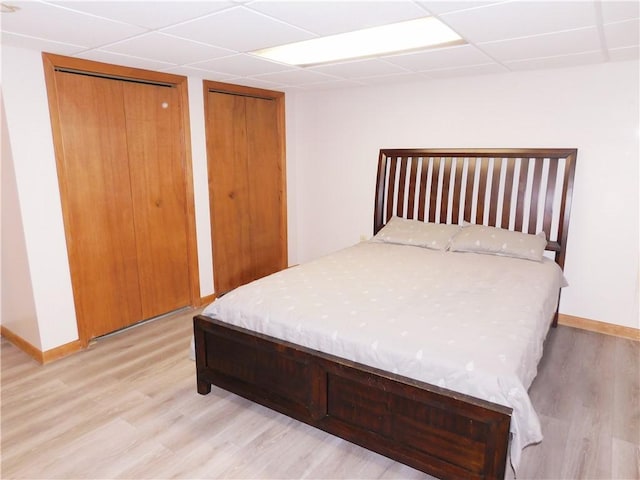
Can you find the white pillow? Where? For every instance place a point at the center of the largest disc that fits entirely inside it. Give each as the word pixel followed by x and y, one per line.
pixel 498 241
pixel 401 231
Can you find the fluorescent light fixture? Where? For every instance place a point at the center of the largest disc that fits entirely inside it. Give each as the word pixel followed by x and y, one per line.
pixel 406 36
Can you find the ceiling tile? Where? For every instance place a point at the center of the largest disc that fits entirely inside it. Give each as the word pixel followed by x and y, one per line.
pixel 198 73
pixel 440 7
pixel 328 85
pixel 614 11
pixel 557 62
pixel 22 41
pixel 166 48
pixel 622 34
pixel 149 14
pixel 41 20
pixel 459 56
pixel 361 68
pixel 394 78
pixel 623 54
pixel 552 44
pixel 239 29
pixel 330 17
pixel 241 65
pixel 296 77
pixel 208 38
pixel 520 19
pixel 470 70
pixel 257 83
pixel 124 60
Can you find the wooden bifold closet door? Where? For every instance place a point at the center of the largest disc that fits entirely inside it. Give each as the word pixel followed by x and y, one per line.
pixel 124 198
pixel 245 151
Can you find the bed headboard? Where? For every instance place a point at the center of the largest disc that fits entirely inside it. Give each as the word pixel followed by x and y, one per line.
pixel 527 190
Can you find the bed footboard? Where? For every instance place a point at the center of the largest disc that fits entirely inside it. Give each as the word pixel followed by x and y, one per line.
pixel 440 432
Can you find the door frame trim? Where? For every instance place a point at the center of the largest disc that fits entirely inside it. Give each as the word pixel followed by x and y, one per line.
pixel 51 62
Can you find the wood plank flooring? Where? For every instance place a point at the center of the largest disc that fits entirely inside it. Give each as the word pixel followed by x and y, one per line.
pixel 128 408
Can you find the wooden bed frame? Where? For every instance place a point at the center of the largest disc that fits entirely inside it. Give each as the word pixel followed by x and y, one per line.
pixel 441 432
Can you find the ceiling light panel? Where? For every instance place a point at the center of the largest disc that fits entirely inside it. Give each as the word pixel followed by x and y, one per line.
pixel 405 36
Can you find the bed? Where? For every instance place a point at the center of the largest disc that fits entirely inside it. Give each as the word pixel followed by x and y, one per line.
pixel 335 343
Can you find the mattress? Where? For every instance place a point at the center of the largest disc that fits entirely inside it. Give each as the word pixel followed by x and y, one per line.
pixel 467 322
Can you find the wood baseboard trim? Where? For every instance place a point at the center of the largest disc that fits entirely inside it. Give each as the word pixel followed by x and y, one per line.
pixel 22 344
pixel 207 299
pixel 37 354
pixel 62 351
pixel 599 327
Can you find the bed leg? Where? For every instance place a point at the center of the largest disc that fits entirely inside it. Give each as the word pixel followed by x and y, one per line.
pixel 204 387
pixel 554 323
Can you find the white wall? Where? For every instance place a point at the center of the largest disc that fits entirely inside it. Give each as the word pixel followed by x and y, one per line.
pixel 594 108
pixel 333 139
pixel 200 185
pixel 29 131
pixel 18 311
pixel 25 100
pixel 51 322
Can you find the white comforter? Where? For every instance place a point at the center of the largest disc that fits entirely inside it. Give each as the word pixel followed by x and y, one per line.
pixel 468 322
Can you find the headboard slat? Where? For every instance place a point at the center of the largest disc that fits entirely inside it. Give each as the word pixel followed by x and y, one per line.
pixel 565 206
pixel 495 189
pixel 508 190
pixel 449 176
pixel 433 194
pixel 401 187
pixel 457 187
pixel 482 192
pixel 424 172
pixel 444 197
pixel 468 198
pixel 412 188
pixel 391 187
pixel 522 187
pixel 535 194
pixel 549 197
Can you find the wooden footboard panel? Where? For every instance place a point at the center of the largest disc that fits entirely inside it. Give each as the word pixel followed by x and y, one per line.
pixel 440 432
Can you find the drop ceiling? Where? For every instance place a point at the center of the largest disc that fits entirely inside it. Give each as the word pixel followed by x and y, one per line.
pixel 213 39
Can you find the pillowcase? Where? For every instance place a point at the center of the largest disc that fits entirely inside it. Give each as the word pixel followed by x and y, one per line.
pixel 498 241
pixel 401 231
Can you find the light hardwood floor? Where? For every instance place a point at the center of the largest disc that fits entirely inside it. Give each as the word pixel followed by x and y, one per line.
pixel 128 408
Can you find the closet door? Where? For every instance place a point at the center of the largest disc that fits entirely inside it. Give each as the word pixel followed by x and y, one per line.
pixel 229 191
pixel 158 192
pixel 125 185
pixel 246 184
pixel 97 202
pixel 265 177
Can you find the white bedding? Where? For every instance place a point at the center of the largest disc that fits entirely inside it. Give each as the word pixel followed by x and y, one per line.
pixel 464 321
